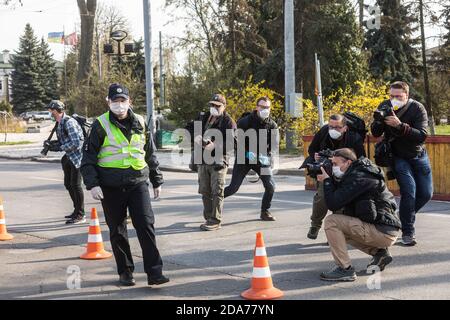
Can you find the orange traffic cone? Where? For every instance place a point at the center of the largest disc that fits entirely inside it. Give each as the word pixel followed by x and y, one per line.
pixel 4 235
pixel 262 287
pixel 95 249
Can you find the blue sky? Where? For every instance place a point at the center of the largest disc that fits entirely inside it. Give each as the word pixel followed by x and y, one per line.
pixel 53 15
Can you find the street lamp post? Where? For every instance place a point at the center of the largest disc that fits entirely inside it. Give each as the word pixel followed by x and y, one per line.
pixel 118 36
pixel 148 63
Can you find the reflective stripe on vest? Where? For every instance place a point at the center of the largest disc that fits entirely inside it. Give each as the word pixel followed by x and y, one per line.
pixel 117 151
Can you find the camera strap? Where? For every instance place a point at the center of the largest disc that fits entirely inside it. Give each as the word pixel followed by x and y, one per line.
pixel 53 131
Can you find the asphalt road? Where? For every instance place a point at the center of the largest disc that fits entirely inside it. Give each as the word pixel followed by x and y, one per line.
pixel 40 262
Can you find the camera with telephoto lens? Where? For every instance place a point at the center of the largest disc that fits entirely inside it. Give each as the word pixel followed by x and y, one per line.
pixel 46 148
pixel 314 169
pixel 382 112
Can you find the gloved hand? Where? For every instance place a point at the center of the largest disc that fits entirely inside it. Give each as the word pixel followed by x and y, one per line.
pixel 157 192
pixel 250 156
pixel 264 160
pixel 52 145
pixel 97 193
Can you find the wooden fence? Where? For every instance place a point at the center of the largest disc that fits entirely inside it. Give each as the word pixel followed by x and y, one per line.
pixel 438 148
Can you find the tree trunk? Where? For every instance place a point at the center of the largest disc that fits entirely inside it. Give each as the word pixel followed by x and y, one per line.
pixel 87 10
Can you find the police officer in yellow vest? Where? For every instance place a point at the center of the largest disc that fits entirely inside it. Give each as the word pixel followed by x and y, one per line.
pixel 118 160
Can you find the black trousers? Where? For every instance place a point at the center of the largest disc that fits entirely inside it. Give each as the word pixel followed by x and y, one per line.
pixel 137 200
pixel 239 173
pixel 72 182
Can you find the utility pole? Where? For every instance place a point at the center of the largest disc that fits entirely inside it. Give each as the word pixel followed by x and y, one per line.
pixel 361 12
pixel 161 74
pixel 319 92
pixel 289 67
pixel 148 64
pixel 425 72
pixel 99 54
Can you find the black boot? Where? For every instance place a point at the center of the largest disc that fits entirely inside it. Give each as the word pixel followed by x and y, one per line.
pixel 267 216
pixel 313 233
pixel 157 280
pixel 126 279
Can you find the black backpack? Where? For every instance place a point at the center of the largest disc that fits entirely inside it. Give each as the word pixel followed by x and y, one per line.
pixel 357 124
pixel 84 124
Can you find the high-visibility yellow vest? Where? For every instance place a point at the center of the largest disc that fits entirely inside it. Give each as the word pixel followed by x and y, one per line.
pixel 117 151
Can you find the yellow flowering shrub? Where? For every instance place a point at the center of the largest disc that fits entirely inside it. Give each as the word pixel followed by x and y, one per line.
pixel 243 99
pixel 363 102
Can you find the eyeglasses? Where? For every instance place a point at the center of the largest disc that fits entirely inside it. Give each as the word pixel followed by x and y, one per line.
pixel 396 96
pixel 263 107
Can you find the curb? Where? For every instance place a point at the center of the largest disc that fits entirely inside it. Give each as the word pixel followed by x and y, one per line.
pixel 280 172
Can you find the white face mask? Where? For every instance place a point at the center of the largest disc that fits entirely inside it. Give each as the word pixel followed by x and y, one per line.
pixel 264 113
pixel 214 112
pixel 337 172
pixel 119 108
pixel 334 134
pixel 397 104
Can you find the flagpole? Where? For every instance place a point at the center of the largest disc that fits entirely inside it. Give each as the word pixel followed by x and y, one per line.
pixel 319 92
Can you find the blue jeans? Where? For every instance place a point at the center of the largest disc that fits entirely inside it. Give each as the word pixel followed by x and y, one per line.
pixel 416 188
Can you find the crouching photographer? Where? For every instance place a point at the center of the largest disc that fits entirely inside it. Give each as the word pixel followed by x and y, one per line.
pixel 338 133
pixel 367 220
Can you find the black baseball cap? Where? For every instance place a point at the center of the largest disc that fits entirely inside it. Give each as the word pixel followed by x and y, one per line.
pixel 56 105
pixel 117 91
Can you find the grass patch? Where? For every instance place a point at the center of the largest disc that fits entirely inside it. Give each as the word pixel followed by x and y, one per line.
pixel 443 129
pixel 15 143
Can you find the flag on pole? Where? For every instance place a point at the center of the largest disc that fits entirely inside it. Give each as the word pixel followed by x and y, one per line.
pixel 71 39
pixel 55 37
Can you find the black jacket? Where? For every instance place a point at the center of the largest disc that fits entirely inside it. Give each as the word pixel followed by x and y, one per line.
pixel 223 123
pixel 322 141
pixel 253 121
pixel 407 141
pixel 94 175
pixel 362 194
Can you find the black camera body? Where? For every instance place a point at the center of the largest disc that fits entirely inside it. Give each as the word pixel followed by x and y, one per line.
pixel 314 169
pixel 46 149
pixel 382 112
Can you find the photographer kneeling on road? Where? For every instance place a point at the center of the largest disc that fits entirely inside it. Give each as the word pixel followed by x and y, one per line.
pixel 368 220
pixel 332 136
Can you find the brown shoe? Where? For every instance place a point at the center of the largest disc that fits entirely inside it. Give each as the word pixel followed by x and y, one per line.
pixel 267 216
pixel 210 226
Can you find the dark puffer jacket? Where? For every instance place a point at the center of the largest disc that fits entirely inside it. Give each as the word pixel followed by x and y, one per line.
pixel 362 194
pixel 253 121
